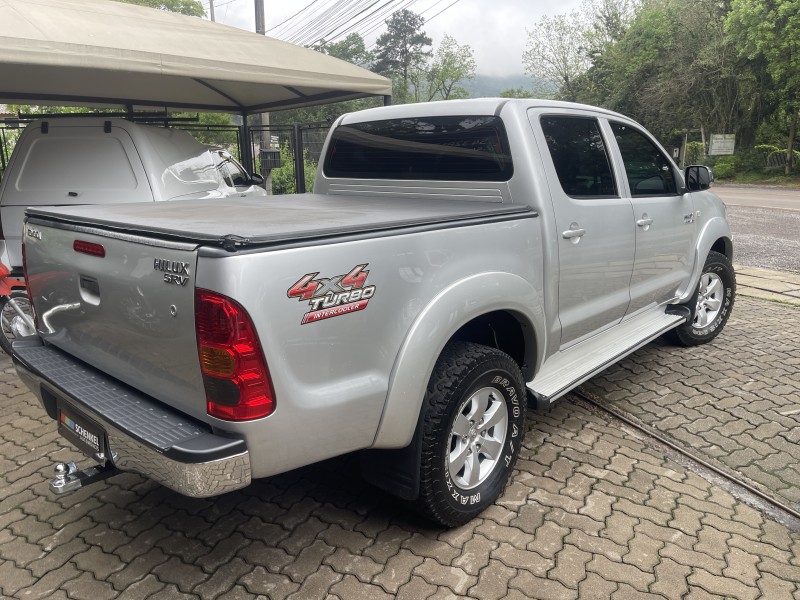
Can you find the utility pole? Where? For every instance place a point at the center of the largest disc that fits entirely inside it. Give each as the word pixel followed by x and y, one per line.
pixel 211 9
pixel 261 29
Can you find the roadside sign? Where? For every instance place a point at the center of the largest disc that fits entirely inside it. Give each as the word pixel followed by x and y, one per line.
pixel 721 143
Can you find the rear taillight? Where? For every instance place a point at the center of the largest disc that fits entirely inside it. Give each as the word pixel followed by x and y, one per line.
pixel 235 375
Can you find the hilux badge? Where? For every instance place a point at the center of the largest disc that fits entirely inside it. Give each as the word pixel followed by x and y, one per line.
pixel 175 272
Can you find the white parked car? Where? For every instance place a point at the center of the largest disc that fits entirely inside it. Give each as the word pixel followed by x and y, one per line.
pixel 109 161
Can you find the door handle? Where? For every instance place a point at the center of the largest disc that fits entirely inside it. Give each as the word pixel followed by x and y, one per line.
pixel 573 233
pixel 644 222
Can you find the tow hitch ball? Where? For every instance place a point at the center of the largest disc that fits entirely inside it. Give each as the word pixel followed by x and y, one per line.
pixel 68 478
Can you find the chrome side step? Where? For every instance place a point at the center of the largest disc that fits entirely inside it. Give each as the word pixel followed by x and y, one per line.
pixel 571 367
pixel 68 478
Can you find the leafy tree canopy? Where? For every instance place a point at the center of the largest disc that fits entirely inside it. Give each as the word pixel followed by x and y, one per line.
pixel 351 49
pixel 517 92
pixel 555 53
pixel 401 49
pixel 768 32
pixel 452 64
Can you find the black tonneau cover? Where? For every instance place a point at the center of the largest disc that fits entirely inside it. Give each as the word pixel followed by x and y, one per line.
pixel 276 219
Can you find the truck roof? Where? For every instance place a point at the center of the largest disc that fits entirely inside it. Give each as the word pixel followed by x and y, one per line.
pixel 470 106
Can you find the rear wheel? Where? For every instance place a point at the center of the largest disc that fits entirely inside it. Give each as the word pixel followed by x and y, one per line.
pixel 473 431
pixel 711 305
pixel 12 323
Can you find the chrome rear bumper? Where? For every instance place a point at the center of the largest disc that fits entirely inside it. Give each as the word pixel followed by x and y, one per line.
pixel 144 436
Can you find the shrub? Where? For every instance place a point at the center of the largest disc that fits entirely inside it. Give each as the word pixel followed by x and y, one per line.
pixel 695 153
pixel 283 181
pixel 725 167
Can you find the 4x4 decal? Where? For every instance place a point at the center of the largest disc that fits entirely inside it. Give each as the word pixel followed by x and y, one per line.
pixel 333 296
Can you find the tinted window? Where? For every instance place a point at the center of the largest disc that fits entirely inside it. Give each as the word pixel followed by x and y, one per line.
pixel 462 148
pixel 579 155
pixel 648 170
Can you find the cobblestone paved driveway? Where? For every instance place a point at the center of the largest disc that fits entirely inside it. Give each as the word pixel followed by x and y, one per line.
pixel 736 401
pixel 592 512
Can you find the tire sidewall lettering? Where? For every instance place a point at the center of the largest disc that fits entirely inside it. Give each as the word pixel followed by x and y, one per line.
pixel 511 394
pixel 722 317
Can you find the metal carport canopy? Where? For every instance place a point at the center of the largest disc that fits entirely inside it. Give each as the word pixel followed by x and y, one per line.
pixel 109 53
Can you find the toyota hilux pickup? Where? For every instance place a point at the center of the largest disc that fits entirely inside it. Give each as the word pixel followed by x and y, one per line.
pixel 456 262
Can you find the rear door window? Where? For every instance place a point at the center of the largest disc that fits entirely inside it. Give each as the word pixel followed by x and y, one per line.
pixel 579 156
pixel 452 148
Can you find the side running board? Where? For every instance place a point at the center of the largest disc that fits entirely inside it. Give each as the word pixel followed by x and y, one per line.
pixel 571 367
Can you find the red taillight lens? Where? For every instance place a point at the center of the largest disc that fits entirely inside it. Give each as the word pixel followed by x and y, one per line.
pixel 89 248
pixel 235 375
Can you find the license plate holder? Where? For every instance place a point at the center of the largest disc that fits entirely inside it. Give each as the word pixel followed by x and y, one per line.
pixel 85 434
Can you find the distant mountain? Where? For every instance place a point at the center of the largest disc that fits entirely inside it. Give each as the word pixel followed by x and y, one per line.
pixel 488 86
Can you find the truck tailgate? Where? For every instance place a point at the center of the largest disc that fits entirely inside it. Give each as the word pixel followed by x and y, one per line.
pixel 121 304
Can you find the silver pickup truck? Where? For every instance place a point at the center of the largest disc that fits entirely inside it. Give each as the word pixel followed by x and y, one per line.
pixel 457 261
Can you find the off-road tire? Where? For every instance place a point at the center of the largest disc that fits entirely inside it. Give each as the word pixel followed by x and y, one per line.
pixel 464 374
pixel 698 330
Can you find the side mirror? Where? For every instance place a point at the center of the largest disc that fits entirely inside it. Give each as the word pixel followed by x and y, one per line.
pixel 698 178
pixel 256 179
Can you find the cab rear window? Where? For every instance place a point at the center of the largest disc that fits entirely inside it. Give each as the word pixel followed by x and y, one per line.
pixel 453 148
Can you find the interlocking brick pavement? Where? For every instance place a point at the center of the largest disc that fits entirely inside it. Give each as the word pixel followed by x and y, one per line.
pixel 735 402
pixel 591 511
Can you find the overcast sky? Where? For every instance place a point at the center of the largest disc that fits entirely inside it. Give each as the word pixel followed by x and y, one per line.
pixel 495 29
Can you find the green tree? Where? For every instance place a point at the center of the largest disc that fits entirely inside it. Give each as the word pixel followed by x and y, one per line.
pixel 351 49
pixel 555 54
pixel 213 129
pixel 402 49
pixel 671 66
pixel 452 64
pixel 769 30
pixel 193 8
pixel 517 92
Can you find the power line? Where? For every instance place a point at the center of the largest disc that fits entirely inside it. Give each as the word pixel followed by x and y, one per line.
pixel 334 34
pixel 305 8
pixel 290 26
pixel 431 7
pixel 334 17
pixel 441 11
pixel 299 28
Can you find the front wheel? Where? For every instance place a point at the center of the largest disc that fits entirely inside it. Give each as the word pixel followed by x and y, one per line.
pixel 13 324
pixel 473 431
pixel 712 303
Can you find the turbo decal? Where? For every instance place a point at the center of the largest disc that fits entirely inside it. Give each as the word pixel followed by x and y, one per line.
pixel 333 296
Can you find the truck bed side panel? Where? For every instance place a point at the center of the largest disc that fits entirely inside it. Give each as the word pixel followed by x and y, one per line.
pixel 331 370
